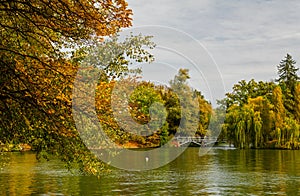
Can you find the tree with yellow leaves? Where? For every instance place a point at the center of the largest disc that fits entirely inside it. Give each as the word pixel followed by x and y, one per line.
pixel 36 81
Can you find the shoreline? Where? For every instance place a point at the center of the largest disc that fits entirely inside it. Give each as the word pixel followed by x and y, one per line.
pixel 28 148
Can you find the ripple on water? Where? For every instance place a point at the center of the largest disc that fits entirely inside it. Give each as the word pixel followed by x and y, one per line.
pixel 219 172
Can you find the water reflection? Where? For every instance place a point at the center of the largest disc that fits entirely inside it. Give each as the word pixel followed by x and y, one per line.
pixel 22 174
pixel 262 171
pixel 219 172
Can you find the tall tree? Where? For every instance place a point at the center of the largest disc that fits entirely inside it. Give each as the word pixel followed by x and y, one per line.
pixel 287 80
pixel 249 125
pixel 174 112
pixel 297 102
pixel 287 73
pixel 205 113
pixel 279 113
pixel 189 109
pixel 37 76
pixel 279 109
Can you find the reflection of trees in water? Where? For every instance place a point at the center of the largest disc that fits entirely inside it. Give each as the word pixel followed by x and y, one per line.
pixel 22 174
pixel 264 171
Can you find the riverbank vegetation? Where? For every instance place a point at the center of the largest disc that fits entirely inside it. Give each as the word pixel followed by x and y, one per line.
pixel 37 73
pixel 151 126
pixel 44 45
pixel 265 114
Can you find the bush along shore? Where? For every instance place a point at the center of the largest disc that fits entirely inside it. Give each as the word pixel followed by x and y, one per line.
pixel 9 147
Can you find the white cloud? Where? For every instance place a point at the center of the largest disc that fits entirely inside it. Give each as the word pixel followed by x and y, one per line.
pixel 247 38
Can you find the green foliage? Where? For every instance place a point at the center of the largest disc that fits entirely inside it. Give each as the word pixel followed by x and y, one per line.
pixel 216 123
pixel 297 102
pixel 245 125
pixel 112 56
pixel 288 78
pixel 147 107
pixel 36 89
pixel 189 108
pixel 172 105
pixel 205 113
pixel 164 134
pixel 279 109
pixel 245 90
pixel 44 45
pixel 264 115
pixel 287 73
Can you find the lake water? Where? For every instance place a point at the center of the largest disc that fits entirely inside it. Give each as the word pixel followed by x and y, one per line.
pixel 219 172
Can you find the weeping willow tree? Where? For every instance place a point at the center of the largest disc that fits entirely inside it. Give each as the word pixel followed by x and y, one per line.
pixel 245 125
pixel 262 123
pixel 290 134
pixel 237 126
pixel 265 114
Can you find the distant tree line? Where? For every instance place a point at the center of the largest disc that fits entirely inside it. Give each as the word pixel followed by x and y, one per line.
pixel 265 114
pixel 193 122
pixel 43 46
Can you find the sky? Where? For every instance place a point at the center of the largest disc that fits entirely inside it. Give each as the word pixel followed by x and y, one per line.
pixel 220 42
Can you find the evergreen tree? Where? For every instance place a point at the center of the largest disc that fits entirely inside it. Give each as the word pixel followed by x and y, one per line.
pixel 287 73
pixel 287 80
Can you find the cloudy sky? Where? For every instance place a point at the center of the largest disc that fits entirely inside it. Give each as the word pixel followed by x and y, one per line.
pixel 221 42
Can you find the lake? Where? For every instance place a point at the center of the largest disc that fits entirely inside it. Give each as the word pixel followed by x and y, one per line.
pixel 222 171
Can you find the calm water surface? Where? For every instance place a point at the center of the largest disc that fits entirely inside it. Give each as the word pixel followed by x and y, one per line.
pixel 220 172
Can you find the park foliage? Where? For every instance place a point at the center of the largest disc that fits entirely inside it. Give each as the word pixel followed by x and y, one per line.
pixel 45 44
pixel 265 114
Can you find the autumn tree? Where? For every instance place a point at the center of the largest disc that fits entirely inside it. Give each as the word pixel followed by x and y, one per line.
pixel 297 102
pixel 205 112
pixel 262 122
pixel 245 124
pixel 134 110
pixel 279 112
pixel 35 91
pixel 264 114
pixel 147 107
pixel 189 109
